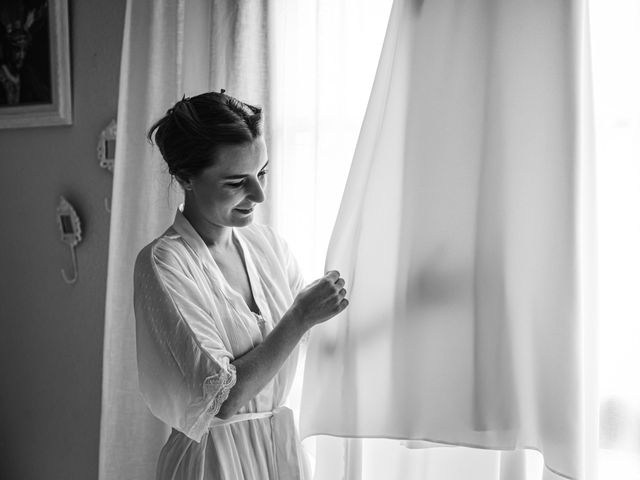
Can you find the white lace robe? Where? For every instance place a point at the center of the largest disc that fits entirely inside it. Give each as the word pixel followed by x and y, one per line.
pixel 190 326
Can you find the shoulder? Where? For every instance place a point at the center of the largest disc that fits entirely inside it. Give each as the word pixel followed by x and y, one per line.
pixel 168 250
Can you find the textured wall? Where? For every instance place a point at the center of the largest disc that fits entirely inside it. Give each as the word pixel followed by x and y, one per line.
pixel 51 333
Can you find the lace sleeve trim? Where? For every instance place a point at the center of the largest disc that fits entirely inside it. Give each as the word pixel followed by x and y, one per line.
pixel 219 386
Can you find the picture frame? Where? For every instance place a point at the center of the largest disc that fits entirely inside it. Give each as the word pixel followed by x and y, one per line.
pixel 35 79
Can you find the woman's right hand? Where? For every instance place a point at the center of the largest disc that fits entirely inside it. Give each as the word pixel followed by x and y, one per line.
pixel 321 300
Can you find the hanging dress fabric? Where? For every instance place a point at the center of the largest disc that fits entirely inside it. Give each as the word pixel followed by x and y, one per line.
pixel 457 239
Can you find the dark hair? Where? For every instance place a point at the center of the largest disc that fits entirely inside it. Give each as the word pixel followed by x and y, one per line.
pixel 191 131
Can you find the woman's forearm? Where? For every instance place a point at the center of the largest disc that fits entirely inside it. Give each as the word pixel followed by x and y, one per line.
pixel 256 368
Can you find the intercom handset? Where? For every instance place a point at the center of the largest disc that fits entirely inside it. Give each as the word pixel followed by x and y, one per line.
pixel 71 234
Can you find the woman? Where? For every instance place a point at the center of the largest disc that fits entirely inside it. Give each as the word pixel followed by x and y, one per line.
pixel 220 305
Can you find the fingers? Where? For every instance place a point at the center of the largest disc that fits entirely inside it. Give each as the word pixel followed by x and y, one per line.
pixel 333 275
pixel 338 283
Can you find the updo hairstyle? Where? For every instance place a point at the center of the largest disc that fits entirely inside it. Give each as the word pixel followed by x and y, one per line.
pixel 192 130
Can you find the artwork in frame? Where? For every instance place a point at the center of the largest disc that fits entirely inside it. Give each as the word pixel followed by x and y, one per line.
pixel 35 82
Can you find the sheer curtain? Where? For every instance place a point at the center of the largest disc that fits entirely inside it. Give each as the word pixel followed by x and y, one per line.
pixel 169 49
pixel 324 59
pixel 478 231
pixel 616 76
pixel 615 30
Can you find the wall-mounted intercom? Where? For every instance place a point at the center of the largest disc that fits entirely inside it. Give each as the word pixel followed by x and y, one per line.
pixel 71 234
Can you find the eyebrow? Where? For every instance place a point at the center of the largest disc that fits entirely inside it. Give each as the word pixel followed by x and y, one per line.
pixel 235 177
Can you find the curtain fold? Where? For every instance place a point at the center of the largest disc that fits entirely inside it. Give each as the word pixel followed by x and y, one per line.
pixel 457 235
pixel 168 51
pixel 142 204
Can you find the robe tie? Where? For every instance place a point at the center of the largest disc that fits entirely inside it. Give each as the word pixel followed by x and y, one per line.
pixel 288 463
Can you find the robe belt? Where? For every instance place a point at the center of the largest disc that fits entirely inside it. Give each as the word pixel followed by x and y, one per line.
pixel 288 463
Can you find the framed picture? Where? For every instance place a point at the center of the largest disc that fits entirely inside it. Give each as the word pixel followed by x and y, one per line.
pixel 35 83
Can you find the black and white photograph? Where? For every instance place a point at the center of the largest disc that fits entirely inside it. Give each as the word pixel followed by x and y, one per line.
pixel 34 63
pixel 320 239
pixel 25 71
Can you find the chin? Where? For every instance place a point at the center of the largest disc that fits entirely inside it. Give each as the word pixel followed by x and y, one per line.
pixel 242 220
pixel 245 222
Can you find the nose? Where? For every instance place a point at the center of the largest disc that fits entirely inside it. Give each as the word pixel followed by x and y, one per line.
pixel 256 192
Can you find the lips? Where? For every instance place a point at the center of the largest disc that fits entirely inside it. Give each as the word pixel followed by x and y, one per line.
pixel 245 210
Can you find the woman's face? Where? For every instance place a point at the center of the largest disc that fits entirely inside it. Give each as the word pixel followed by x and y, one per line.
pixel 226 193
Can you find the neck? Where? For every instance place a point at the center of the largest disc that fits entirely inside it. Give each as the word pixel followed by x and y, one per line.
pixel 216 237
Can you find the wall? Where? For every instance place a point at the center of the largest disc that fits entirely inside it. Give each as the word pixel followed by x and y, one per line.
pixel 51 333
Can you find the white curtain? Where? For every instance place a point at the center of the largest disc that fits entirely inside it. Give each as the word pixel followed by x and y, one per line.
pixel 324 59
pixel 460 234
pixel 169 50
pixel 616 76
